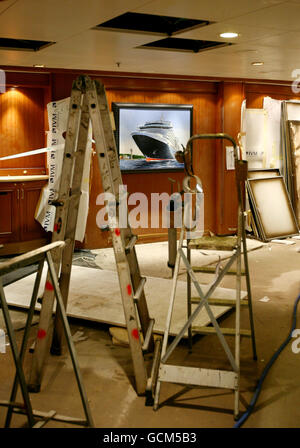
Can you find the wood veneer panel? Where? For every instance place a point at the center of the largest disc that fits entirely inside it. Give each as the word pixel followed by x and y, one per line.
pixel 22 126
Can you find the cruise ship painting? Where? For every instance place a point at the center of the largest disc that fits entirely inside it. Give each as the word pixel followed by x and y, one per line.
pixel 156 140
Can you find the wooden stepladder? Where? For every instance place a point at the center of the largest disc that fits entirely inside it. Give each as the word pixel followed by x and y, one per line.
pixel 194 376
pixel 88 103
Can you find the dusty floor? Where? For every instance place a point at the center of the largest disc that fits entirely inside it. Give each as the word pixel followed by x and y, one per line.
pixel 108 375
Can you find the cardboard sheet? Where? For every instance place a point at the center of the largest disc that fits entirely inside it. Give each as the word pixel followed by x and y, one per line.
pixel 95 295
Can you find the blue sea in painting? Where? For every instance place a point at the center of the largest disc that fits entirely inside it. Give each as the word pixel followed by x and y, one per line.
pixel 143 165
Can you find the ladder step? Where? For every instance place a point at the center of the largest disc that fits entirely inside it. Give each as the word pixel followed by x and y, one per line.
pixel 226 243
pixel 220 302
pixel 212 270
pixel 130 245
pixel 146 343
pixel 140 289
pixel 198 377
pixel 225 331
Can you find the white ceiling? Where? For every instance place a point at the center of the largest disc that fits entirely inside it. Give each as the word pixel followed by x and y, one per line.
pixel 269 31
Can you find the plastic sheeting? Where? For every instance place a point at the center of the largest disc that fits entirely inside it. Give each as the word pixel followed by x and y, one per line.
pixel 58 117
pixel 273 154
pixel 254 136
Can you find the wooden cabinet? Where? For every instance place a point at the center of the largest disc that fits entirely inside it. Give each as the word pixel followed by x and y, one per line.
pixel 9 216
pixel 19 231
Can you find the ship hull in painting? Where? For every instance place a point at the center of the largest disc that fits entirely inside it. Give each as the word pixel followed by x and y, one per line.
pixel 153 148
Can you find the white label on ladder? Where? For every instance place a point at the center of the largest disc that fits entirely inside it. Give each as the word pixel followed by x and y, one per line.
pixel 2 341
pixel 229 158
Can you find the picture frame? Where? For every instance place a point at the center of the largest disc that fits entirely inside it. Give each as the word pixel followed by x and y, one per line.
pixel 259 172
pixel 271 207
pixel 148 135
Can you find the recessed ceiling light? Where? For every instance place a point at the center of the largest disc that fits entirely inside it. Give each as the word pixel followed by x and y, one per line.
pixel 229 35
pixel 39 65
pixel 257 63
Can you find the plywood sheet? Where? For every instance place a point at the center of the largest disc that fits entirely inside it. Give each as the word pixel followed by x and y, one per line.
pixel 95 296
pixel 153 258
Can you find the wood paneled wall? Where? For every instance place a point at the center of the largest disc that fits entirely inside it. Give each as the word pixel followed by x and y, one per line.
pixel 216 102
pixel 255 93
pixel 23 122
pixel 231 96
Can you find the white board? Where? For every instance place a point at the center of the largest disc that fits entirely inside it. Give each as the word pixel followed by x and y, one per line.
pixel 95 296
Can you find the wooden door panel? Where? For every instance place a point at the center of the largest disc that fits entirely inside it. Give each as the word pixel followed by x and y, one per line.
pixel 9 216
pixel 29 197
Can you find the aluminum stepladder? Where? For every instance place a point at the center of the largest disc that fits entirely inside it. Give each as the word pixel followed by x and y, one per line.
pixel 88 102
pixel 198 376
pixel 37 419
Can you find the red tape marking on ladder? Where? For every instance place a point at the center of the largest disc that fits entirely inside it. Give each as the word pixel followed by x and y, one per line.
pixel 135 333
pixel 49 286
pixel 129 290
pixel 117 232
pixel 41 333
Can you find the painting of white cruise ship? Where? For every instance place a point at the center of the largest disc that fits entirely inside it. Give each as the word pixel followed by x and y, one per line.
pixel 149 135
pixel 157 140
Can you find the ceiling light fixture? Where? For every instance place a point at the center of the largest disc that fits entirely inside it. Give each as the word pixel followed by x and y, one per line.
pixel 39 65
pixel 257 63
pixel 229 35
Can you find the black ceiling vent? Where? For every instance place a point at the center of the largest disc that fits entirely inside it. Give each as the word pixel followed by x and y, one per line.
pixel 178 44
pixel 151 23
pixel 23 44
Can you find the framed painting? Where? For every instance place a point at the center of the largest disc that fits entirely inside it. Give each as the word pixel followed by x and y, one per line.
pixel 272 209
pixel 148 135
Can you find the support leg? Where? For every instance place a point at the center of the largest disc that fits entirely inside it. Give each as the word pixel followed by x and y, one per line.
pixel 25 339
pixel 238 310
pixel 169 315
pixel 249 295
pixel 17 360
pixel 189 304
pixel 69 340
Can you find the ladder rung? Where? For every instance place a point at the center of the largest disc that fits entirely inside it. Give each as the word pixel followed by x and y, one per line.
pixel 220 302
pixel 198 377
pixel 148 335
pixel 212 270
pixel 139 289
pixel 225 331
pixel 130 245
pixel 62 202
